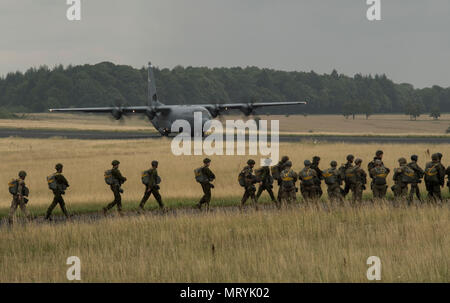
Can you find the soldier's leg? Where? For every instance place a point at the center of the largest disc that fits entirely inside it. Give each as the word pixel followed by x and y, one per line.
pixel 270 191
pixel 12 210
pixel 23 207
pixel 158 198
pixel 114 202
pixel 62 204
pixel 260 190
pixel 51 207
pixel 293 195
pixel 145 198
pixel 245 196
pixel 346 189
pixel 253 196
pixel 412 191
pixel 437 192
pixel 118 199
pixel 417 189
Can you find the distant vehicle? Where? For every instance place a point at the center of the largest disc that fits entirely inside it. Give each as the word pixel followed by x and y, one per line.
pixel 163 116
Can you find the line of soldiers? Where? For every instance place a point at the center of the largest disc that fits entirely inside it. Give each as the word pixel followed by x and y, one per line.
pixel 311 176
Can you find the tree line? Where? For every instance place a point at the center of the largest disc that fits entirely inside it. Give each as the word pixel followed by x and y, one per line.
pixel 107 84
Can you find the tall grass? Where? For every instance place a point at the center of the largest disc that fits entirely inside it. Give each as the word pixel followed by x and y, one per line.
pixel 306 244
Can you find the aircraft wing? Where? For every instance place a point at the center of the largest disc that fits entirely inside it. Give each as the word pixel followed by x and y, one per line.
pixel 124 109
pixel 246 108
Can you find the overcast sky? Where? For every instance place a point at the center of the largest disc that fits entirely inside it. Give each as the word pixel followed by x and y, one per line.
pixel 411 43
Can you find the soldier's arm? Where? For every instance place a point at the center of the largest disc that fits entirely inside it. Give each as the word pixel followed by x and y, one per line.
pixel 61 180
pixel 118 175
pixel 209 173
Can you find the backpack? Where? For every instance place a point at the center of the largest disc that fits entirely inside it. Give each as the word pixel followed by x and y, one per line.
pixel 241 179
pixel 52 184
pixel 145 177
pixel 109 177
pixel 380 176
pixel 199 176
pixel 13 186
pixel 307 176
pixel 350 175
pixel 287 179
pixel 408 175
pixel 275 170
pixel 431 173
pixel 329 176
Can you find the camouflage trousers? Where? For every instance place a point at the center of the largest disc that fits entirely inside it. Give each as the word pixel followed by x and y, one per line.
pixel 17 202
pixel 249 193
pixel 148 192
pixel 288 195
pixel 309 192
pixel 117 198
pixel 379 191
pixel 434 191
pixel 414 191
pixel 264 187
pixel 357 192
pixel 400 190
pixel 206 198
pixel 335 193
pixel 57 199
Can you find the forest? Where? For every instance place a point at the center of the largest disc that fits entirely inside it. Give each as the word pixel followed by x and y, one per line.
pixel 107 84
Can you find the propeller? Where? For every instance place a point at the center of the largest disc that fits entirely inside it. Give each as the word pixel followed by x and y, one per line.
pixel 248 109
pixel 151 113
pixel 117 112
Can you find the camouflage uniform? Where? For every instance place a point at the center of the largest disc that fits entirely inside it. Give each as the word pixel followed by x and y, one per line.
pixel 400 188
pixel 333 181
pixel 152 188
pixel 434 182
pixel 308 177
pixel 378 156
pixel 378 175
pixel 18 199
pixel 62 184
pixel 206 186
pixel 418 176
pixel 280 166
pixel 115 188
pixel 342 170
pixel 318 182
pixel 266 183
pixel 357 178
pixel 250 180
pixel 288 180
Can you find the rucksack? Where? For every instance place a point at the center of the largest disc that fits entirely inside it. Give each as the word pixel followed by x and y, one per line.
pixel 275 170
pixel 307 176
pixel 380 176
pixel 109 179
pixel 431 173
pixel 329 176
pixel 199 176
pixel 287 179
pixel 13 186
pixel 408 175
pixel 241 179
pixel 145 177
pixel 52 184
pixel 350 175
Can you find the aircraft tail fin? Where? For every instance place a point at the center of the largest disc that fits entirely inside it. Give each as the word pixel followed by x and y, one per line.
pixel 152 96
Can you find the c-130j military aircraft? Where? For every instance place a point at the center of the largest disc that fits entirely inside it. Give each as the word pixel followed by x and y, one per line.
pixel 162 116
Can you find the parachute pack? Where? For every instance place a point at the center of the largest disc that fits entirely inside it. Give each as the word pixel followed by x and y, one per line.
pixel 13 186
pixel 408 175
pixel 199 176
pixel 329 176
pixel 431 174
pixel 241 179
pixel 51 180
pixel 145 177
pixel 275 170
pixel 380 176
pixel 109 177
pixel 307 176
pixel 350 175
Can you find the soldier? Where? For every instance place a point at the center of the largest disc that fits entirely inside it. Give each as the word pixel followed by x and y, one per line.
pixel 265 180
pixel 418 175
pixel 434 178
pixel 403 176
pixel 357 179
pixel 342 171
pixel 118 180
pixel 378 173
pixel 315 166
pixel 152 187
pixel 248 180
pixel 288 180
pixel 333 181
pixel 19 192
pixel 308 177
pixel 58 192
pixel 378 156
pixel 276 171
pixel 206 177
